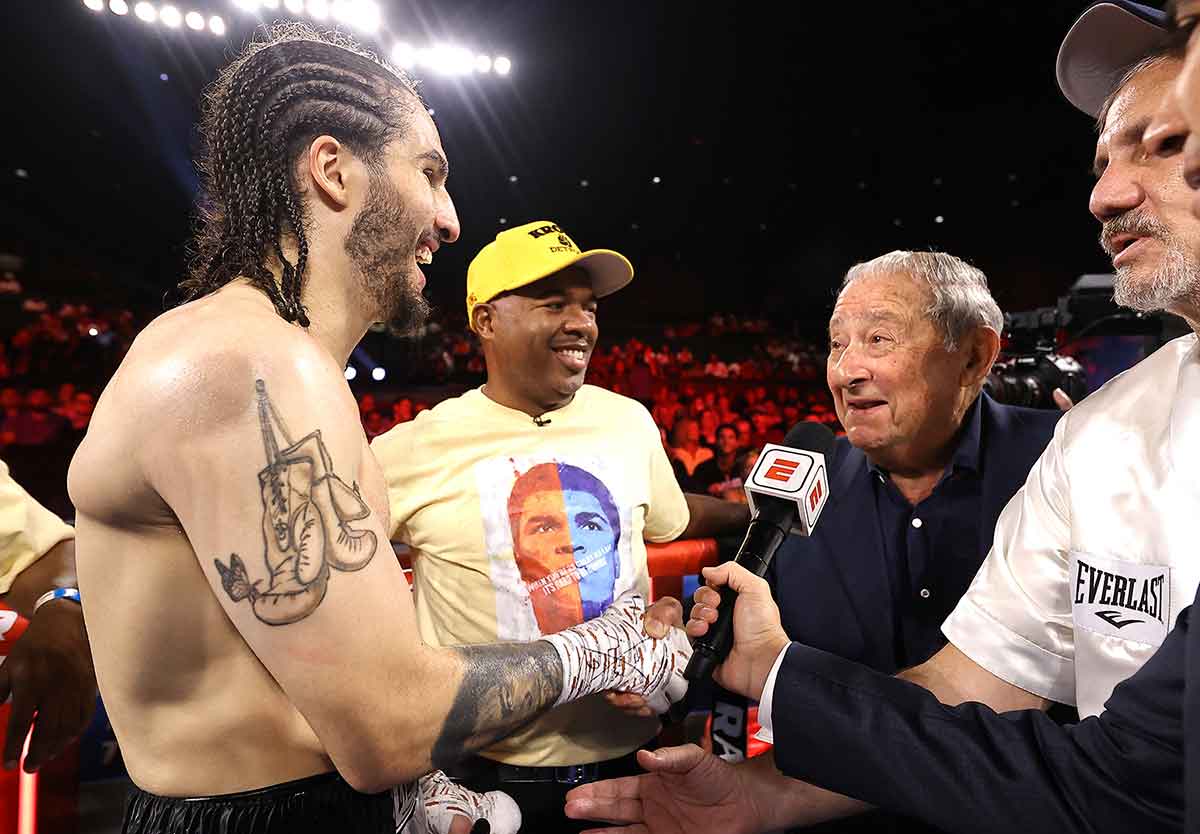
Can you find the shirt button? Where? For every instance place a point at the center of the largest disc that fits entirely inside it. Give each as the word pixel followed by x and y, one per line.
pixel 916 522
pixel 925 593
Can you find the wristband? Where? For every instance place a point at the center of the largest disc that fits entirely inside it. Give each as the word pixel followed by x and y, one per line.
pixel 58 593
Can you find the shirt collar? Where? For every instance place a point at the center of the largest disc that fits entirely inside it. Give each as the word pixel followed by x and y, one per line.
pixel 966 449
pixel 966 452
pixel 520 416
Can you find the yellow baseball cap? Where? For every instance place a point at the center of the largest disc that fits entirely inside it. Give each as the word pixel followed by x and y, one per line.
pixel 522 255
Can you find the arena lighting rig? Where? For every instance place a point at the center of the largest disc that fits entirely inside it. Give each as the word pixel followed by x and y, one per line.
pixel 362 16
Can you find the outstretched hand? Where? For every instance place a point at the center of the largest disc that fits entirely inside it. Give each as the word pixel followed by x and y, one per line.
pixel 686 790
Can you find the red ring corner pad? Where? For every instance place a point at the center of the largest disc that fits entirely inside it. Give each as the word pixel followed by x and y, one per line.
pixel 669 563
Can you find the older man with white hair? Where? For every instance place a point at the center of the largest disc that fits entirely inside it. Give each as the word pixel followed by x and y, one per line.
pixel 928 462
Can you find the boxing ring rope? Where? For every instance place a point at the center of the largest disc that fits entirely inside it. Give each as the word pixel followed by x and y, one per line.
pixel 24 785
pixel 26 793
pixel 667 565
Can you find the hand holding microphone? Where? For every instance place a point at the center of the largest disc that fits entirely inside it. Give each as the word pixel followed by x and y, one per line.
pixel 758 633
pixel 787 490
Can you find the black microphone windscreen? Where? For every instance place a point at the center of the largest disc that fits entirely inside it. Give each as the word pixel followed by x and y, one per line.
pixel 813 437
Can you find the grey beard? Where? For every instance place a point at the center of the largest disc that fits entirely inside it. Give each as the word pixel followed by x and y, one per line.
pixel 1176 280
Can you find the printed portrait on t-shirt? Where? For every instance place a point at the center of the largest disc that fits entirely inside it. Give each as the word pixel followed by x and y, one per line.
pixel 557 540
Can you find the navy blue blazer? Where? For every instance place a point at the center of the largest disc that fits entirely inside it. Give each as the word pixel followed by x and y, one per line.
pixel 1133 768
pixel 833 589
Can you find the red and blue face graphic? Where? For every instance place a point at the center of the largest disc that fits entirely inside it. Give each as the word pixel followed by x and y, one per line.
pixel 565 530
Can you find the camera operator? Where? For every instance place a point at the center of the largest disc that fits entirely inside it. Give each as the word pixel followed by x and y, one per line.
pixel 1032 374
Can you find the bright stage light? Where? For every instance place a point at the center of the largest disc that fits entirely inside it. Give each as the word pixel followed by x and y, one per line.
pixel 363 15
pixel 351 372
pixel 404 56
pixel 216 25
pixel 246 5
pixel 270 4
pixel 449 60
pixel 294 6
pixel 119 7
pixel 145 12
pixel 170 16
pixel 194 20
pixel 319 9
pixel 368 17
pixel 93 331
pixel 94 5
pixel 462 61
pixel 378 374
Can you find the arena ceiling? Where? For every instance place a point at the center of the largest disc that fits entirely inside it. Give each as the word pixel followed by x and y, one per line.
pixel 741 154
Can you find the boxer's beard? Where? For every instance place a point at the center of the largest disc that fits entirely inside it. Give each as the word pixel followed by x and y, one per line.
pixel 382 243
pixel 1177 278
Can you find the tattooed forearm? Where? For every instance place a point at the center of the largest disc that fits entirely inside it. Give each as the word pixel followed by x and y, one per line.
pixel 504 686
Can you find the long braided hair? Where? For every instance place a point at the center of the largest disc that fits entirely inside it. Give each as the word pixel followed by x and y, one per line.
pixel 260 114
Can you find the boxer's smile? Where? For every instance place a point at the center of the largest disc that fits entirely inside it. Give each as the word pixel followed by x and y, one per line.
pixel 426 246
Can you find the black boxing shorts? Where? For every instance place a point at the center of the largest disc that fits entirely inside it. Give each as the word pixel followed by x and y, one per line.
pixel 323 803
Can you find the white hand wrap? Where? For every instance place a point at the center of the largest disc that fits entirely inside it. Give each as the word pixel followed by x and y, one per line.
pixel 443 800
pixel 613 651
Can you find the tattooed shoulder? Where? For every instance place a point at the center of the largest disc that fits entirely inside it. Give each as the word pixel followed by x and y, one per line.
pixel 307 515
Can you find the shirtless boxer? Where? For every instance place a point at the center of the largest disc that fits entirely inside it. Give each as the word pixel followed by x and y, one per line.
pixel 254 639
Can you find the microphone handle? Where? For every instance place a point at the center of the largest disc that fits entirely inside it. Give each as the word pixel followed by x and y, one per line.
pixel 712 648
pixel 763 539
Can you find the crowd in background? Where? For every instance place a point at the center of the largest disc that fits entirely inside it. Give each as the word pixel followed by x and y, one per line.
pixel 718 389
pixel 722 348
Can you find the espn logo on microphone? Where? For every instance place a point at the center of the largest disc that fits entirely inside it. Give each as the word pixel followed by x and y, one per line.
pixel 795 475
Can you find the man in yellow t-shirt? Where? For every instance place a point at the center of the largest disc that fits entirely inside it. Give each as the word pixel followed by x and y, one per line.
pixel 527 502
pixel 48 669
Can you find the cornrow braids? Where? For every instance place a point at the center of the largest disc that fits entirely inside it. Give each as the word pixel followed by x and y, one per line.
pixel 260 114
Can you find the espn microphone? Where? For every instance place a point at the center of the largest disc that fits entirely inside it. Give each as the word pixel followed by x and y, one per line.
pixel 787 490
